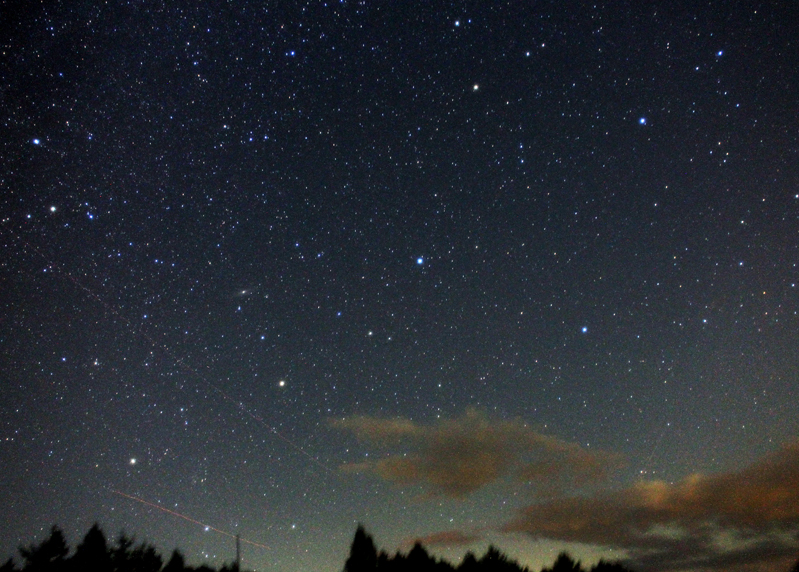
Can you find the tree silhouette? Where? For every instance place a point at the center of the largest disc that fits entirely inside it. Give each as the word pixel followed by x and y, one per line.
pixel 142 558
pixel 795 567
pixel 176 563
pixel 92 555
pixel 121 554
pixel 50 555
pixel 419 560
pixel 495 561
pixel 145 558
pixel 469 563
pixel 564 563
pixel 363 554
pixel 364 557
pixel 605 566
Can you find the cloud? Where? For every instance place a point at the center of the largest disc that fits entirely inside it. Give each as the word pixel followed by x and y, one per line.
pixel 457 457
pixel 748 518
pixel 446 539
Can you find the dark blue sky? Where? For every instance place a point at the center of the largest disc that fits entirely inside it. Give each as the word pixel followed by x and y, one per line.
pixel 326 263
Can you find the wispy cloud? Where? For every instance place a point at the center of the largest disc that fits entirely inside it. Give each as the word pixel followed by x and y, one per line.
pixel 745 520
pixel 457 457
pixel 445 539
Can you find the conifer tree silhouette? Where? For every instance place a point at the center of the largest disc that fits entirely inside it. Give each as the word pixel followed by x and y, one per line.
pixel 49 556
pixel 142 558
pixel 176 563
pixel 92 555
pixel 495 561
pixel 363 554
pixel 121 553
pixel 419 560
pixel 469 563
pixel 564 563
pixel 605 566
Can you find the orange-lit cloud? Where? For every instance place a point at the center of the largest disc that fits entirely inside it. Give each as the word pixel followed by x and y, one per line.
pixel 745 520
pixel 457 457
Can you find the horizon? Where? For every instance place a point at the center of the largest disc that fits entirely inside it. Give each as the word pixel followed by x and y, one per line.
pixel 116 543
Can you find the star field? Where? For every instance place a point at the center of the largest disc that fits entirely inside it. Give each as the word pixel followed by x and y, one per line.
pixel 239 239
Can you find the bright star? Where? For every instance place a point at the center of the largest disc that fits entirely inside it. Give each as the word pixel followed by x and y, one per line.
pixel 642 121
pixel 36 141
pixel 133 461
pixel 420 260
pixel 281 383
pixel 584 330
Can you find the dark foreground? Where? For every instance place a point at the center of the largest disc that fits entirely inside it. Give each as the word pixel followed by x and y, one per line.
pixel 95 554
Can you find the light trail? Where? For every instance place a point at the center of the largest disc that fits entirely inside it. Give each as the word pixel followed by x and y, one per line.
pixel 648 461
pixel 184 517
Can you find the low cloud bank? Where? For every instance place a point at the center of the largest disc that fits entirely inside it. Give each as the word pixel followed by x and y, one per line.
pixel 744 520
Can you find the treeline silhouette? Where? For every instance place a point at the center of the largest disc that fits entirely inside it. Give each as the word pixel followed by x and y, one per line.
pixel 95 554
pixel 364 557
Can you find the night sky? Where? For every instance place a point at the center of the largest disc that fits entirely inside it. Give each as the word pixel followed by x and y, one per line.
pixel 521 273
